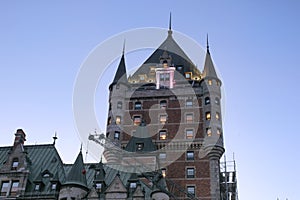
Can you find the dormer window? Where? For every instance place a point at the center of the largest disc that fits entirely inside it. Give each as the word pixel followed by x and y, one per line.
pixel 37 187
pixel 98 186
pixel 15 164
pixel 139 146
pixel 132 185
pixel 188 75
pixel 14 188
pixel 4 188
pixel 53 186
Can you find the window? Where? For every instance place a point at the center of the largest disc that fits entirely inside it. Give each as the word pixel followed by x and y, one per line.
pixel 98 186
pixel 207 116
pixel 163 104
pixel 189 134
pixel 217 116
pixel 162 119
pixel 188 75
pixel 164 77
pixel 109 121
pixel 179 67
pixel 162 156
pixel 208 132
pixel 132 185
pixel 117 135
pixel 118 120
pixel 191 190
pixel 219 131
pixel 163 172
pixel 217 101
pixel 137 120
pixel 4 188
pixel 53 186
pixel 46 175
pixel 189 118
pixel 189 103
pixel 190 172
pixel 209 82
pixel 207 100
pixel 14 188
pixel 137 105
pixel 139 146
pixel 162 135
pixel 15 163
pixel 37 187
pixel 107 134
pixel 190 155
pixel 119 105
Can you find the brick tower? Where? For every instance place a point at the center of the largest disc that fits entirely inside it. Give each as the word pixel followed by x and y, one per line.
pixel 181 107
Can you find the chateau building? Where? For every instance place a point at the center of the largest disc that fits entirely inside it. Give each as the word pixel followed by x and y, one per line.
pixel 164 140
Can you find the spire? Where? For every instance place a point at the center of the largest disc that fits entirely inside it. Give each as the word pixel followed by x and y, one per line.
pixel 170 25
pixel 77 173
pixel 209 69
pixel 54 138
pixel 207 45
pixel 121 75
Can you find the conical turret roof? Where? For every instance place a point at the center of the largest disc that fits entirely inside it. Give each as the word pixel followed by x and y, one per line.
pixel 121 75
pixel 209 69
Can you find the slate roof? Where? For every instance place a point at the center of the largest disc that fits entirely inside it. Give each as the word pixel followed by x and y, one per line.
pixel 121 75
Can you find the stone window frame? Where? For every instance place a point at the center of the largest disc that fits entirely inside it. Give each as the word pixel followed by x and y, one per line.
pixel 189 158
pixel 193 170
pixel 191 186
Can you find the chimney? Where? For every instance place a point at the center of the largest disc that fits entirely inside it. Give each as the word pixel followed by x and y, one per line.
pixel 20 137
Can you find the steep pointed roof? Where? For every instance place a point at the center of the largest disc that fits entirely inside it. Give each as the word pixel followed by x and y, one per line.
pixel 121 75
pixel 77 173
pixel 143 137
pixel 209 69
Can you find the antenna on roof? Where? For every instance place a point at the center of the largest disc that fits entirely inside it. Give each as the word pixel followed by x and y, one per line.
pixel 123 51
pixel 54 138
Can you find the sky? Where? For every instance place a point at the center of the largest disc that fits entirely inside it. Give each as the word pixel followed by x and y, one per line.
pixel 254 45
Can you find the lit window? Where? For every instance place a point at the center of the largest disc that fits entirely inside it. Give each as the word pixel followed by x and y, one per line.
pixel 14 188
pixel 109 121
pixel 207 116
pixel 217 101
pixel 162 156
pixel 137 105
pixel 163 172
pixel 132 185
pixel 208 132
pixel 119 105
pixel 163 104
pixel 189 103
pixel 190 155
pixel 163 119
pixel 190 172
pixel 162 135
pixel 117 135
pixel 15 164
pixel 219 131
pixel 139 146
pixel 53 186
pixel 189 118
pixel 188 75
pixel 189 134
pixel 4 188
pixel 118 120
pixel 217 116
pixel 137 120
pixel 207 100
pixel 191 190
pixel 209 82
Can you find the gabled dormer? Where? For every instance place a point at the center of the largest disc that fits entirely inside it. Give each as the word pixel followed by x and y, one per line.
pixel 116 190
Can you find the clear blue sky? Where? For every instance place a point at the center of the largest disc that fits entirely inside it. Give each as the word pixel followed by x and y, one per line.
pixel 255 45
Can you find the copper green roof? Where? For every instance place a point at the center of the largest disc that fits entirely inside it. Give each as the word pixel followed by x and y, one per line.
pixel 121 75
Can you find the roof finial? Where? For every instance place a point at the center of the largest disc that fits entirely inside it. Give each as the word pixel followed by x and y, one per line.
pixel 81 147
pixel 54 138
pixel 123 51
pixel 207 45
pixel 170 24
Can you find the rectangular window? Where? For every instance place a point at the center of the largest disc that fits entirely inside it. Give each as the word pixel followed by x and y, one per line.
pixel 163 104
pixel 190 155
pixel 217 116
pixel 190 172
pixel 189 103
pixel 53 186
pixel 14 188
pixel 207 116
pixel 191 190
pixel 15 164
pixel 137 120
pixel 4 188
pixel 117 135
pixel 133 185
pixel 163 119
pixel 188 75
pixel 118 120
pixel 137 105
pixel 164 172
pixel 189 118
pixel 139 146
pixel 209 82
pixel 98 186
pixel 189 134
pixel 119 105
pixel 37 187
pixel 162 135
pixel 219 131
pixel 162 156
pixel 208 132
